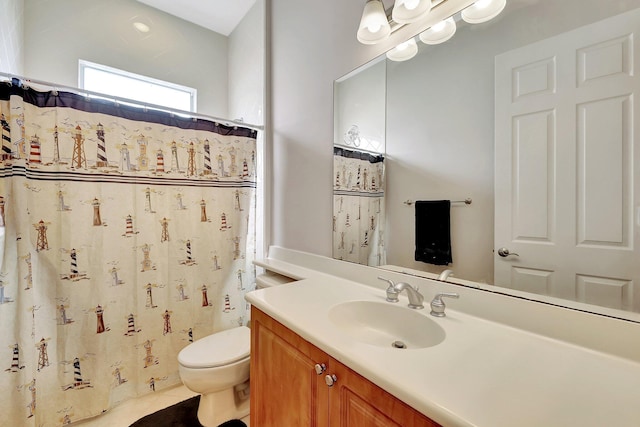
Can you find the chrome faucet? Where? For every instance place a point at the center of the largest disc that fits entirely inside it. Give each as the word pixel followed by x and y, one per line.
pixel 392 293
pixel 415 297
pixel 437 305
pixel 445 275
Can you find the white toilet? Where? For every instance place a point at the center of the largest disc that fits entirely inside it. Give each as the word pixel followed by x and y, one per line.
pixel 217 367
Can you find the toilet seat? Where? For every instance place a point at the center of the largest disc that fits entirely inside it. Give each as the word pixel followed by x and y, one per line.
pixel 219 349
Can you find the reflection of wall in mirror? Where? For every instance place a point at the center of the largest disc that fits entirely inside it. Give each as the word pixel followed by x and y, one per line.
pixel 11 56
pixel 359 109
pixel 440 127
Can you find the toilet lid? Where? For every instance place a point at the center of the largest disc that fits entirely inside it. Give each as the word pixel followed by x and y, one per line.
pixel 221 348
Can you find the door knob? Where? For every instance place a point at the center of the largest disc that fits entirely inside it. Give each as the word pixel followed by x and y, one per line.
pixel 504 252
pixel 330 380
pixel 320 368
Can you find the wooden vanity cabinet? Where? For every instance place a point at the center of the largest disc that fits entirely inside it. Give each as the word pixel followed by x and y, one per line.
pixel 286 389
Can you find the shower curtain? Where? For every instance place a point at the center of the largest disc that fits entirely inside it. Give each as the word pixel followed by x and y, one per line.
pixel 125 234
pixel 358 207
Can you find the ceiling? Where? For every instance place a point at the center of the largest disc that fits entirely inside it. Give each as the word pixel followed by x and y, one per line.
pixel 221 16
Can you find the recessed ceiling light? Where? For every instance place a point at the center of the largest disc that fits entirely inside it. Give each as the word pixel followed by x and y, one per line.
pixel 143 28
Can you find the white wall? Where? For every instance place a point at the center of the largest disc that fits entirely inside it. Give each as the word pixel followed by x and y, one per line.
pixel 247 67
pixel 11 36
pixel 59 33
pixel 247 56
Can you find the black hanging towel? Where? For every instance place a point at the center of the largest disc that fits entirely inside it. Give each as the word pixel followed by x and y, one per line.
pixel 433 231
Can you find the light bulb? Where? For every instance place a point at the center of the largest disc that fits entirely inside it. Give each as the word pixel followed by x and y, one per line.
pixel 439 26
pixel 408 11
pixel 411 4
pixel 481 4
pixel 440 32
pixel 483 11
pixel 374 27
pixel 404 51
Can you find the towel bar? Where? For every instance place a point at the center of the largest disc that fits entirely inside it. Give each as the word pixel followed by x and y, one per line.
pixel 466 201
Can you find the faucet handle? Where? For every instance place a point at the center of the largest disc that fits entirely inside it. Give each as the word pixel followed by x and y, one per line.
pixel 392 292
pixel 438 306
pixel 446 294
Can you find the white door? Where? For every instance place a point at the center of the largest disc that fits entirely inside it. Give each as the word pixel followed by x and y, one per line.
pixel 566 188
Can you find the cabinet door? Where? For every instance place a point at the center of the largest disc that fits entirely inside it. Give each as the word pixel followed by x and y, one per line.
pixel 356 402
pixel 285 388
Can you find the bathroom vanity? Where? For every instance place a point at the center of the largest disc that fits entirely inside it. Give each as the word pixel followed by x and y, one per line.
pixel 500 361
pixel 295 383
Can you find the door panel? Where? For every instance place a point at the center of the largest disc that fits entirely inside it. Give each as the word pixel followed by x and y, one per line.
pixel 533 179
pixel 604 141
pixel 356 402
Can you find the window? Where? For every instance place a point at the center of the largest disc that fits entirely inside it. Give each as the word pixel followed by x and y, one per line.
pixel 146 90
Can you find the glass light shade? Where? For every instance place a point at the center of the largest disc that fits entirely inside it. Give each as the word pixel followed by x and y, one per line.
pixel 483 11
pixel 404 51
pixel 407 11
pixel 374 26
pixel 439 33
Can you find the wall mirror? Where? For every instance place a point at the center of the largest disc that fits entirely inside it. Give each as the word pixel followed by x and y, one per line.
pixel 531 117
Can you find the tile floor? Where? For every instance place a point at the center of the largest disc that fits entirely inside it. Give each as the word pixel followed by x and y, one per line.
pixel 126 413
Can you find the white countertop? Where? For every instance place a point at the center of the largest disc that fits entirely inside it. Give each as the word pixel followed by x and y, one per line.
pixel 483 374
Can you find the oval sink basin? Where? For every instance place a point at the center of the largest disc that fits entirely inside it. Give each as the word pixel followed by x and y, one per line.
pixel 386 325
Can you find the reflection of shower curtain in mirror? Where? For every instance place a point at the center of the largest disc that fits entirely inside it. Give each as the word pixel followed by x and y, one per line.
pixel 125 234
pixel 358 207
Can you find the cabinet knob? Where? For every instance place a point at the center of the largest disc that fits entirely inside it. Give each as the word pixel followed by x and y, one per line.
pixel 330 380
pixel 320 368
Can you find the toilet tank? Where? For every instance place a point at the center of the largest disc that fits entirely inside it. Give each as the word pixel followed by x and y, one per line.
pixel 270 278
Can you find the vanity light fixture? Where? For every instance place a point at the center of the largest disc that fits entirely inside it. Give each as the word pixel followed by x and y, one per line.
pixel 408 11
pixel 439 33
pixel 374 25
pixel 404 51
pixel 483 11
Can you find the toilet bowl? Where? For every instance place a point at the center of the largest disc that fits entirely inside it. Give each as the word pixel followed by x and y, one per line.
pixel 217 367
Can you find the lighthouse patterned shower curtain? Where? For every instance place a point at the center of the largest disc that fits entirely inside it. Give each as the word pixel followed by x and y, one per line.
pixel 125 235
pixel 358 207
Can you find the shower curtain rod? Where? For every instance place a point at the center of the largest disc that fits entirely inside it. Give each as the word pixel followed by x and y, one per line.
pixel 363 150
pixel 25 81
